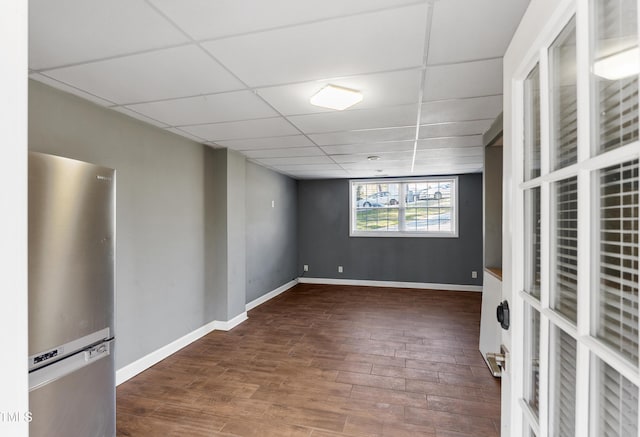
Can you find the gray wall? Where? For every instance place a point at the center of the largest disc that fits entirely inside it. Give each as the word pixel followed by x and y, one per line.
pixel 272 245
pixel 188 241
pixel 160 214
pixel 324 242
pixel 225 254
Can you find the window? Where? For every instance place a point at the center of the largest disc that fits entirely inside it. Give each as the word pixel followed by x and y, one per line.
pixel 426 207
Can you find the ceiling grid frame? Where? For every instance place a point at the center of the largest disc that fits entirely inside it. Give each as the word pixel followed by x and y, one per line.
pixel 457 114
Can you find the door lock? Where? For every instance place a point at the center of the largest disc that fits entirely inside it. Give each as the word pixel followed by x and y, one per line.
pixel 502 314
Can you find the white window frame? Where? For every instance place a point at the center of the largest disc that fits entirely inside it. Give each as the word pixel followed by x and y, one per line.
pixel 401 207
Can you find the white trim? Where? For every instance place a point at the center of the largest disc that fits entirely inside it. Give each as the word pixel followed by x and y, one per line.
pixel 268 296
pixel 130 370
pixel 391 284
pixel 230 324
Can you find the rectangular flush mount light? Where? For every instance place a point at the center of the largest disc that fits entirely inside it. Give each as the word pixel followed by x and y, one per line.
pixel 618 66
pixel 336 97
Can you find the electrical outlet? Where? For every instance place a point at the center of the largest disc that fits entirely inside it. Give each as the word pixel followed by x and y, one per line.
pixel 339 269
pixel 474 274
pixel 273 204
pixel 306 267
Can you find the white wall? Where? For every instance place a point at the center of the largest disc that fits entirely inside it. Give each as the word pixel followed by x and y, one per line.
pixel 13 219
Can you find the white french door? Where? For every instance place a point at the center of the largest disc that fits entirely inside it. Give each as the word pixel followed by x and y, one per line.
pixel 572 209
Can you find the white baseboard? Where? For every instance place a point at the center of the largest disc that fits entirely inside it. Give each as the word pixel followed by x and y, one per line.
pixel 230 324
pixel 391 284
pixel 139 366
pixel 262 299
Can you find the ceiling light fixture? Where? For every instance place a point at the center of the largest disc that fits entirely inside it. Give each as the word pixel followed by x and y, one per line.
pixel 619 65
pixel 373 158
pixel 336 97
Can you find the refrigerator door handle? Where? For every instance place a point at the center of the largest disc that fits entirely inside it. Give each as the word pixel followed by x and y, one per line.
pixel 57 370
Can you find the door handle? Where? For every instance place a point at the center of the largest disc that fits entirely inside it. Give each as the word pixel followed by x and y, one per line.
pixel 502 314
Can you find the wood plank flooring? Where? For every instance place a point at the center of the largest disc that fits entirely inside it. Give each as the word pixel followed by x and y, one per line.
pixel 326 361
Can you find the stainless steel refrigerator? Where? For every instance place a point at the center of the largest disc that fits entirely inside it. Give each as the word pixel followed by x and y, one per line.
pixel 71 298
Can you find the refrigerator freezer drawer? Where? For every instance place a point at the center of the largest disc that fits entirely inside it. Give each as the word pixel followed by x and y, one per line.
pixel 75 396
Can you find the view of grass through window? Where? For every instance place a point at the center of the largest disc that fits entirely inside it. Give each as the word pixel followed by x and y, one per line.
pixel 403 206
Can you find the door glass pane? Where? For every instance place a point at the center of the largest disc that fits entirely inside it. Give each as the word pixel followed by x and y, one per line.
pixel 614 402
pixel 532 358
pixel 562 381
pixel 617 294
pixel 532 124
pixel 564 116
pixel 565 267
pixel 614 78
pixel 532 241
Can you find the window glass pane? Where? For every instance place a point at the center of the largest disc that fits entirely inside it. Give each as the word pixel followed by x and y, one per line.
pixel 532 124
pixel 614 402
pixel 562 383
pixel 614 78
pixel 532 358
pixel 376 206
pixel 430 208
pixel 532 241
pixel 617 294
pixel 566 245
pixel 564 117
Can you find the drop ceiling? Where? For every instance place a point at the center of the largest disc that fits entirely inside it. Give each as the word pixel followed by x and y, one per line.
pixel 239 74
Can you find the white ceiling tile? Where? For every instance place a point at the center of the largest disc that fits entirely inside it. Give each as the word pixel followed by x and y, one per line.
pixel 185 134
pixel 369 148
pixel 291 160
pixel 163 74
pixel 211 19
pixel 384 157
pixel 455 129
pixel 483 30
pixel 281 153
pixel 69 89
pixel 378 41
pixel 267 143
pixel 442 142
pixel 136 115
pixel 462 109
pixel 73 31
pixel 393 116
pixel 446 169
pixel 364 136
pixel 266 127
pixel 214 108
pixel 318 174
pixel 308 168
pixel 450 152
pixel 360 165
pixel 468 79
pixel 383 89
pixel 403 146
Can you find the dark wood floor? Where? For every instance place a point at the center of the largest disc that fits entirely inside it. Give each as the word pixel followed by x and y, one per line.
pixel 326 361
